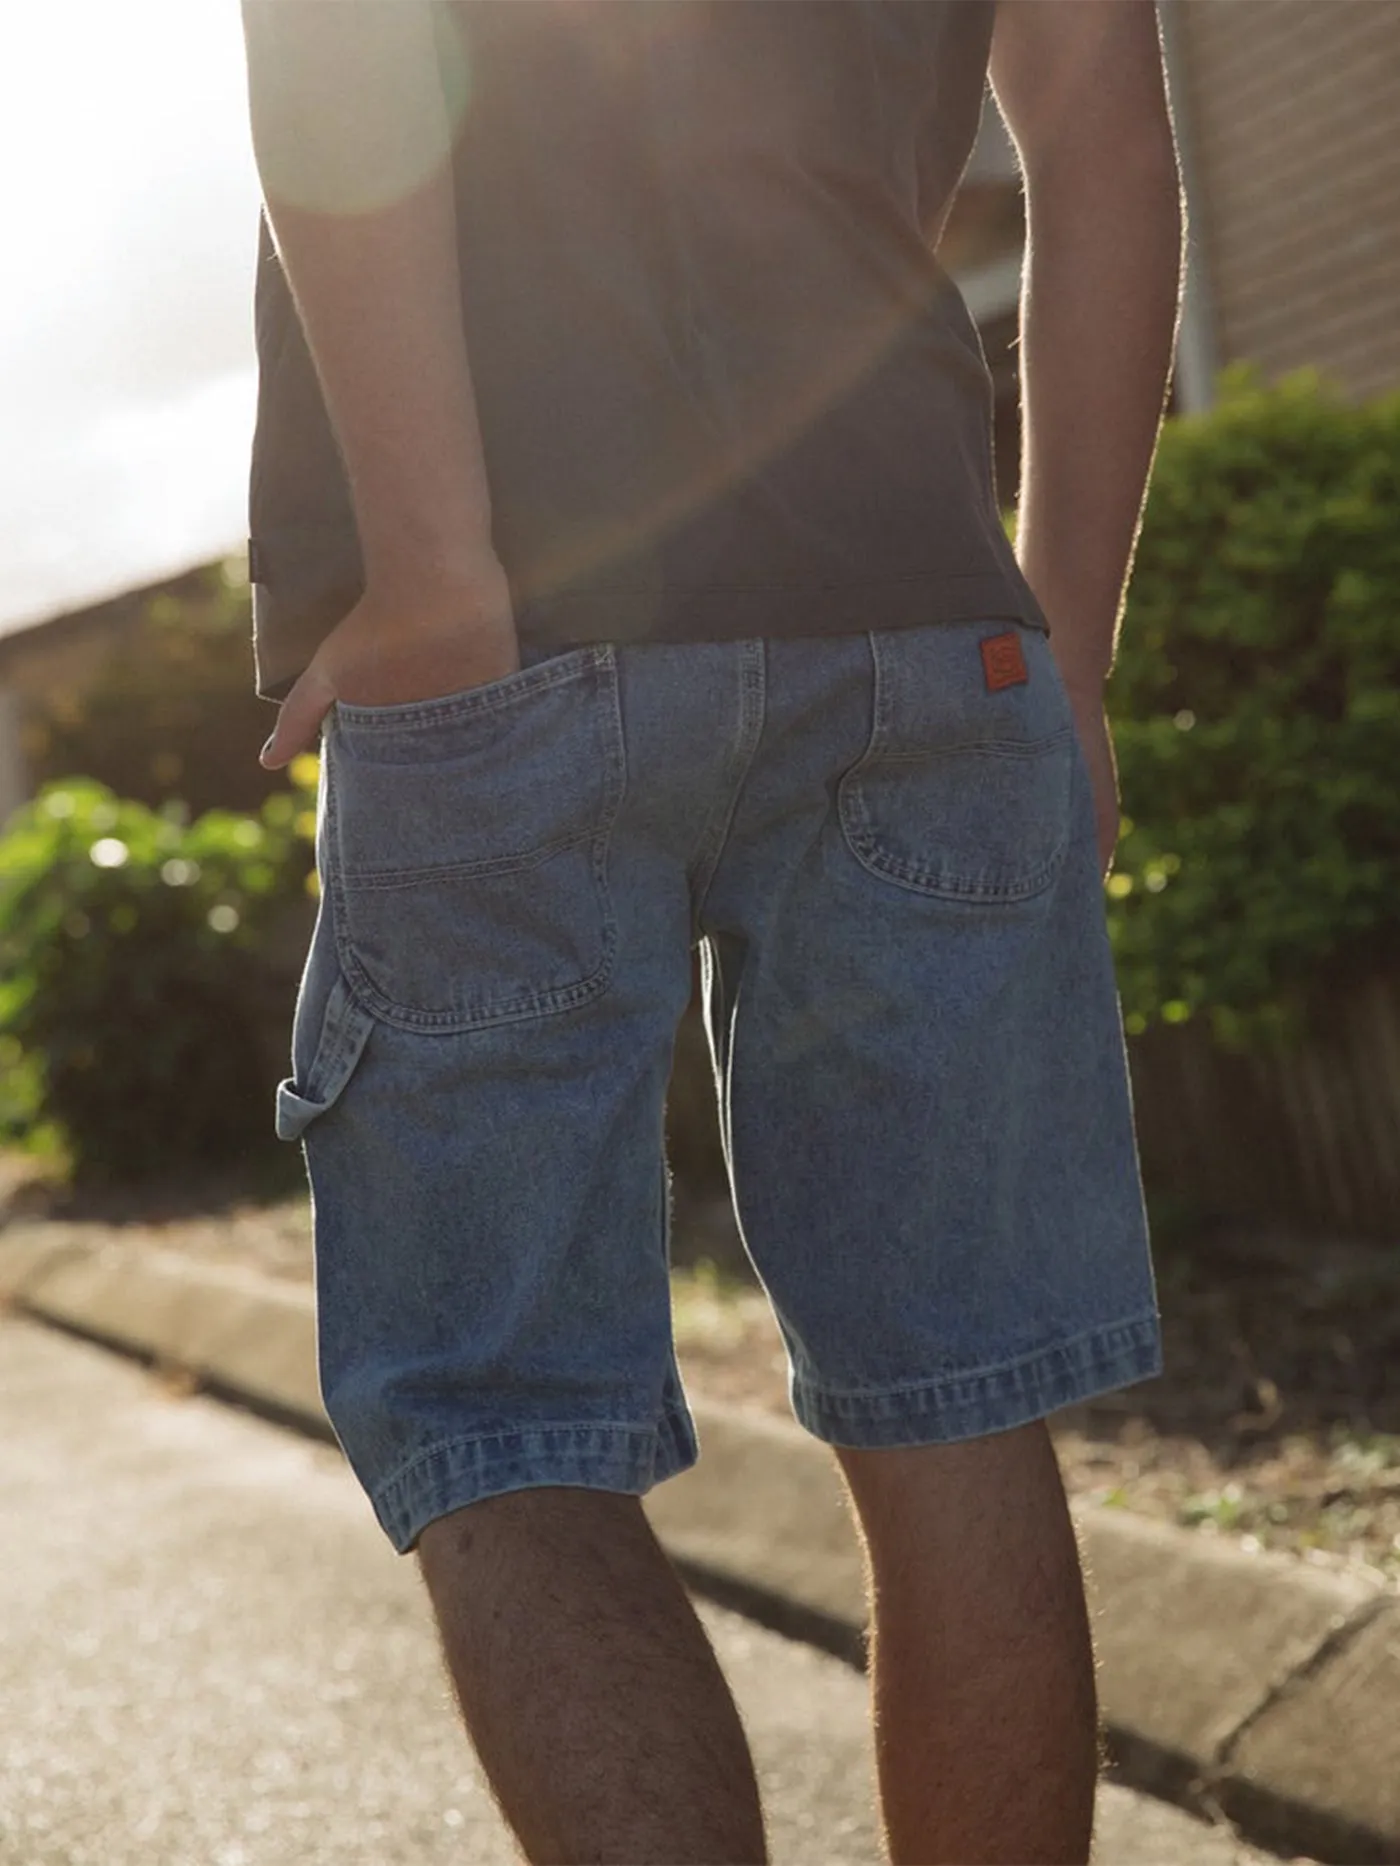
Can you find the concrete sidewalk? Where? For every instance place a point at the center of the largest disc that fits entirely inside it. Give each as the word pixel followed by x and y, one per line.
pixel 1247 1684
pixel 221 1662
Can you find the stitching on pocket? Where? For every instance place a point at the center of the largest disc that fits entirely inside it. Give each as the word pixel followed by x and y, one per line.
pixel 956 792
pixel 935 876
pixel 371 880
pixel 489 696
pixel 503 999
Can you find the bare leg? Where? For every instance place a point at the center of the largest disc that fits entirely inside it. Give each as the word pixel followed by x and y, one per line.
pixel 986 1734
pixel 588 1685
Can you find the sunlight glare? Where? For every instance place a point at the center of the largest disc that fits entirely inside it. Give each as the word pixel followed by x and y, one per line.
pixel 126 328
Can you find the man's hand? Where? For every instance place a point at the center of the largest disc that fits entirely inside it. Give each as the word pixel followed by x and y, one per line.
pixel 1096 742
pixel 398 645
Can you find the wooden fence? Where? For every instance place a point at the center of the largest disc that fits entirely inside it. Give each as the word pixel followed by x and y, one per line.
pixel 1309 1137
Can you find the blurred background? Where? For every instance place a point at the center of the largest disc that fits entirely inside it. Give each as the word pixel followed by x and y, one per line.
pixel 156 885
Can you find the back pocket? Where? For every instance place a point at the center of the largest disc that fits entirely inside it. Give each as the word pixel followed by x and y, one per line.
pixel 962 793
pixel 466 845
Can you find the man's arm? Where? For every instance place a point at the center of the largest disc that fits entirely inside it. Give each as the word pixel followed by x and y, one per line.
pixel 1080 83
pixel 353 146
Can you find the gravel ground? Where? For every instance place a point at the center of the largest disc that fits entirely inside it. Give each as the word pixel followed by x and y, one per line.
pixel 1278 1418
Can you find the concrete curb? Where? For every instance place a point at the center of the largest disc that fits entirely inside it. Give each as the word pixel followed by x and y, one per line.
pixel 1243 1684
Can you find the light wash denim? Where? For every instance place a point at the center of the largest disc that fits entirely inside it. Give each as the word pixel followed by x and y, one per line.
pixel 888 864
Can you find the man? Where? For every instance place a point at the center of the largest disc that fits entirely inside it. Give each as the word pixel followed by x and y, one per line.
pixel 623 515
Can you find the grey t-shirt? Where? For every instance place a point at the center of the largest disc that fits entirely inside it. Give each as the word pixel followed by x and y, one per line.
pixel 725 390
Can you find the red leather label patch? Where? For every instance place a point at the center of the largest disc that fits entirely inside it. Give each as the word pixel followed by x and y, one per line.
pixel 1003 662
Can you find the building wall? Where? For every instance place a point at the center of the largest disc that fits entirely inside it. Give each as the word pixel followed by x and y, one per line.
pixel 14 775
pixel 48 669
pixel 1295 122
pixel 47 666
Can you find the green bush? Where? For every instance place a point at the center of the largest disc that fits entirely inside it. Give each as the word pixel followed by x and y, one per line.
pixel 142 958
pixel 1256 708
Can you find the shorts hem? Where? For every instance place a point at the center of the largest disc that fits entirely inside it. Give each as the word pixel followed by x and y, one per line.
pixel 984 1400
pixel 603 1455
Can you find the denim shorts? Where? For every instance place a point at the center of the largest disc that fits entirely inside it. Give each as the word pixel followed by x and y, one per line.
pixel 883 845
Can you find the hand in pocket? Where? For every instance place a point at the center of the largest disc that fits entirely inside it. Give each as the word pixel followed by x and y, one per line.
pixel 401 645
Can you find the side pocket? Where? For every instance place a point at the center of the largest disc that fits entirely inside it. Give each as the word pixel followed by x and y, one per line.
pixel 345 1028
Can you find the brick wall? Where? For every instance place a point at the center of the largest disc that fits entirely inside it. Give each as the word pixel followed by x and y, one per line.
pixel 1295 114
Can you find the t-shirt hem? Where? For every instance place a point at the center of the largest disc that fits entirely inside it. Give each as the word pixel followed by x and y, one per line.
pixel 286 634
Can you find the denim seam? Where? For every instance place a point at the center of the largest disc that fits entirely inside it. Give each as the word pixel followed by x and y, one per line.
pixel 388 880
pixel 632 1462
pixel 863 841
pixel 509 1011
pixel 535 678
pixel 529 1004
pixel 572 1428
pixel 867 849
pixel 512 1010
pixel 752 711
pixel 987 748
pixel 1097 1337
